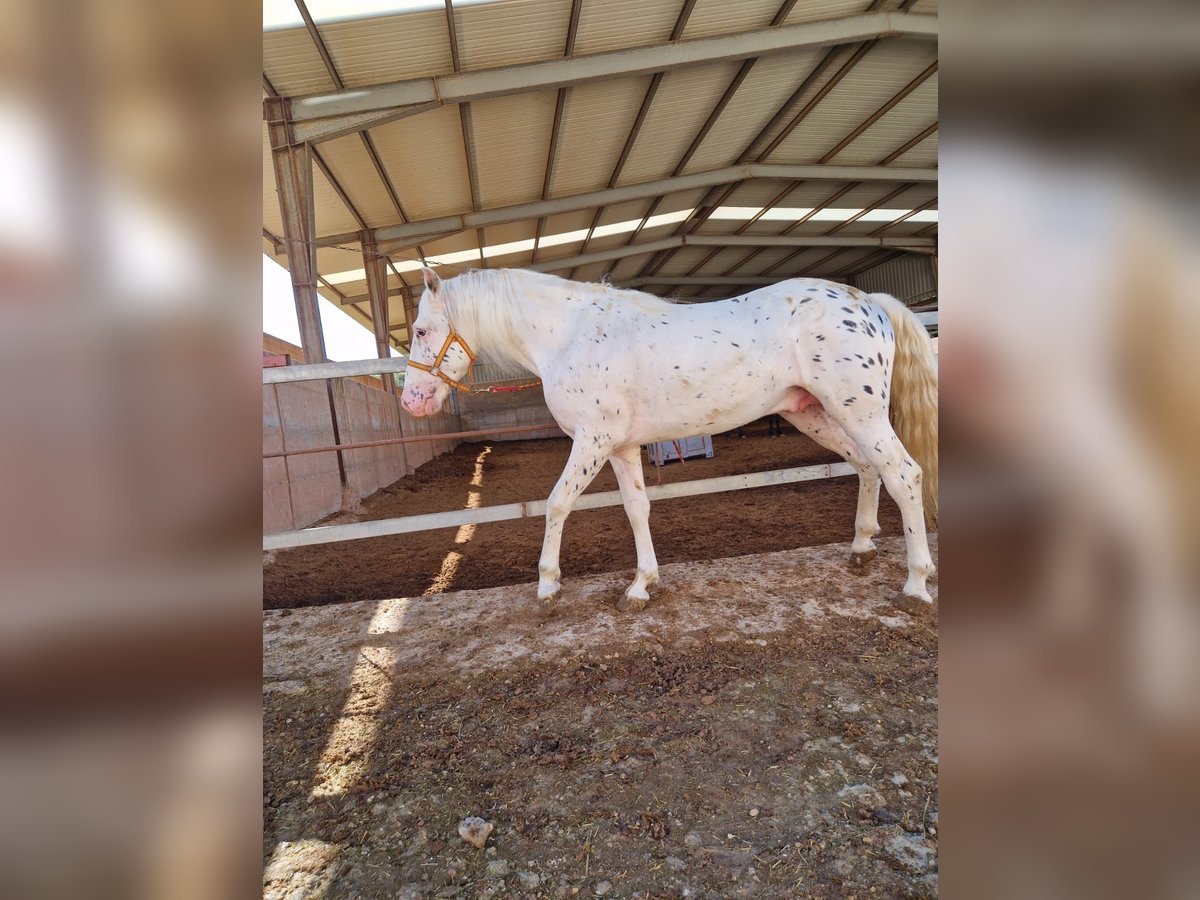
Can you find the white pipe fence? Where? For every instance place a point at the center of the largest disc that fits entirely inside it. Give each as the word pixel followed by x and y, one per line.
pixel 329 534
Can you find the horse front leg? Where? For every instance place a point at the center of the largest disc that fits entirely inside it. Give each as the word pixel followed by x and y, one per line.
pixel 588 454
pixel 627 464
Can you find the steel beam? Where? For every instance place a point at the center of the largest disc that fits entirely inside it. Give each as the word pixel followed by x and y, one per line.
pixel 387 99
pixel 912 244
pixel 392 238
pixel 375 265
pixel 294 181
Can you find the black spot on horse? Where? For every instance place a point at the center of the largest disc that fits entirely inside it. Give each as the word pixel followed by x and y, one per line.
pixel 867 388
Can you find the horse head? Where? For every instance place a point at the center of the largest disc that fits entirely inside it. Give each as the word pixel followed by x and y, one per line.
pixel 439 357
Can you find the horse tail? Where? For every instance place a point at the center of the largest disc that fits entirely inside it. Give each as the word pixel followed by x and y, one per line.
pixel 914 406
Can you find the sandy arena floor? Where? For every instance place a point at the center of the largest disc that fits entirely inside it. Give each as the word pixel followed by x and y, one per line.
pixel 766 728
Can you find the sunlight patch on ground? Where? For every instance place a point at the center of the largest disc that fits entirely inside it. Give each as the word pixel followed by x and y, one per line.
pixel 445 577
pixel 347 755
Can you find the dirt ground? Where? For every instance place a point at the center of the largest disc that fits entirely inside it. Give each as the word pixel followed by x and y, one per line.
pixel 765 728
pixel 504 553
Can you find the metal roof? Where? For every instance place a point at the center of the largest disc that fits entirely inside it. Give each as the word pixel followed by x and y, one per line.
pixel 470 115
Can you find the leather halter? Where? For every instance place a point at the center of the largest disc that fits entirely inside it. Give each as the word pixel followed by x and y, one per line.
pixel 451 339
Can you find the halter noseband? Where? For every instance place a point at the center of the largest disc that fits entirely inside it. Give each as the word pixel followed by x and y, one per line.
pixel 452 338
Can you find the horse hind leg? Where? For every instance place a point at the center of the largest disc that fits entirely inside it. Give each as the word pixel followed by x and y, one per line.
pixel 627 464
pixel 813 421
pixel 869 428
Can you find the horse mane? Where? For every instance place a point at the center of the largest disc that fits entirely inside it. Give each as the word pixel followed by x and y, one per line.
pixel 493 306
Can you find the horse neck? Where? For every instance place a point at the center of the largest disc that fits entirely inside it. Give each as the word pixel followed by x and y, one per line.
pixel 506 318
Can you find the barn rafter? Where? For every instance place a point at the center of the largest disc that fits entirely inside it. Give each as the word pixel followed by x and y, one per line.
pixel 652 142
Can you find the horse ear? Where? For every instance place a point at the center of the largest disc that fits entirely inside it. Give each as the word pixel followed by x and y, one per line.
pixel 432 281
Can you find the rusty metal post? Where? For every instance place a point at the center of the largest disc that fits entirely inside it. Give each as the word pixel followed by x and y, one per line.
pixel 375 265
pixel 293 164
pixel 294 181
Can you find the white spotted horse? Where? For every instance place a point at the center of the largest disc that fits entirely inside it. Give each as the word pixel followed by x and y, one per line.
pixel 623 368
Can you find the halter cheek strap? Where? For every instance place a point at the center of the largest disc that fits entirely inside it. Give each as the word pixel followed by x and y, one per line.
pixel 436 369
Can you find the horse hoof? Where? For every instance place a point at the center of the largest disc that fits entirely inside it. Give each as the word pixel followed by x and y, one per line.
pixel 858 561
pixel 547 605
pixel 629 604
pixel 914 603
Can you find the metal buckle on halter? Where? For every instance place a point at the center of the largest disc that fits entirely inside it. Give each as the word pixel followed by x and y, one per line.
pixel 436 368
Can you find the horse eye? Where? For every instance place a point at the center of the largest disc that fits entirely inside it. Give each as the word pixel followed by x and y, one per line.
pixel 420 332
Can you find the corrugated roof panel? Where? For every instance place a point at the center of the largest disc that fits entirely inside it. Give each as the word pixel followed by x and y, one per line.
pixel 517 31
pixel 919 193
pixel 511 138
pixel 684 100
pixel 835 267
pixel 511 236
pixel 456 243
pixel 814 10
pixel 596 121
pixel 560 251
pixel 861 228
pixel 332 216
pixel 913 228
pixel 592 272
pixel 908 118
pixel 333 259
pixel 293 65
pixel 767 259
pixel 713 17
pixel 615 24
pixel 626 269
pixel 758 98
pixel 798 266
pixel 564 223
pixel 805 63
pixel 631 264
pixel 677 200
pixel 425 157
pixel 867 87
pixel 686 258
pixel 723 261
pixel 391 48
pixel 348 160
pixel 868 195
pixel 924 154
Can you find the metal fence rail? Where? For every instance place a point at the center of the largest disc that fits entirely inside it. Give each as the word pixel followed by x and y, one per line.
pixel 329 534
pixel 319 371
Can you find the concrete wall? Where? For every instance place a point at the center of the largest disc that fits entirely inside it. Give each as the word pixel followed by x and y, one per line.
pixel 528 407
pixel 300 490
